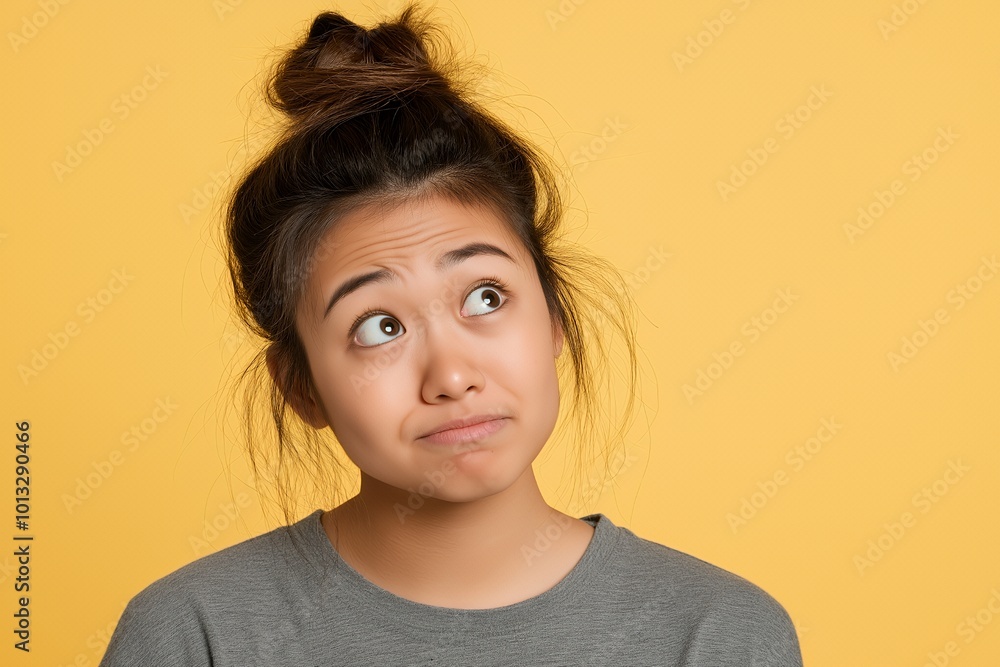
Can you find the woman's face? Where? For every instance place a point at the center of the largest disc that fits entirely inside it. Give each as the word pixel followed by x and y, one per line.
pixel 445 340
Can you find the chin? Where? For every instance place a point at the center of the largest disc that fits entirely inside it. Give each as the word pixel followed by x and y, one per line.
pixel 466 484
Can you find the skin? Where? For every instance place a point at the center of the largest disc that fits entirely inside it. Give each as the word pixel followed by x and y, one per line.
pixel 442 524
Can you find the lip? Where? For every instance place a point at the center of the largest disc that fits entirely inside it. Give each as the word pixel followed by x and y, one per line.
pixel 467 429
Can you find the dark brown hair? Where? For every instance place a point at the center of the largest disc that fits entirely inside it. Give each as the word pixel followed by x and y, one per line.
pixel 374 117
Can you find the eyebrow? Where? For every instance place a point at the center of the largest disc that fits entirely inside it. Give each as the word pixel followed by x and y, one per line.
pixel 447 260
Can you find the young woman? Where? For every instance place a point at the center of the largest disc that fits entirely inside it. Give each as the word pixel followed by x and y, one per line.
pixel 398 251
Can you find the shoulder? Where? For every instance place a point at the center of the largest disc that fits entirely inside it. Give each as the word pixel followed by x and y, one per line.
pixel 261 561
pixel 701 583
pixel 717 612
pixel 174 615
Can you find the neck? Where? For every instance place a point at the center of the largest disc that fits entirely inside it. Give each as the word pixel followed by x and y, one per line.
pixel 454 553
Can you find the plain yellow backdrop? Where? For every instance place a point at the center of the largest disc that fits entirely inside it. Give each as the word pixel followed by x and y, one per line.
pixel 799 194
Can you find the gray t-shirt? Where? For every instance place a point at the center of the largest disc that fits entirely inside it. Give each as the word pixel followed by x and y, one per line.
pixel 627 602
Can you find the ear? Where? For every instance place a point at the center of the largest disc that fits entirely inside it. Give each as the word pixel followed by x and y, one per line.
pixel 301 399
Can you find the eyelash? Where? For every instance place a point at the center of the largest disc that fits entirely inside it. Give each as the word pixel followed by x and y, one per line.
pixel 492 281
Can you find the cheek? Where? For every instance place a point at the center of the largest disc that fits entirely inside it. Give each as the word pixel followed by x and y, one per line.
pixel 362 393
pixel 535 337
pixel 530 368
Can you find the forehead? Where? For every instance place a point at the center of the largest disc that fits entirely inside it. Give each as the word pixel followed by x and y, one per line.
pixel 416 228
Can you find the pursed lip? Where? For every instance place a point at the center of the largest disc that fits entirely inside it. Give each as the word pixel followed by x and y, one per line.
pixel 460 423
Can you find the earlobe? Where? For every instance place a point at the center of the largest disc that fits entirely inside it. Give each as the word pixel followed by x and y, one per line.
pixel 557 338
pixel 301 400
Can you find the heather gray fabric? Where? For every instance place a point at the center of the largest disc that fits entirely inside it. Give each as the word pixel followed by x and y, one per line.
pixel 627 602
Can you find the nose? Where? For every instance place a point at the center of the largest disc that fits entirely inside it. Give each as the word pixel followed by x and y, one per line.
pixel 451 363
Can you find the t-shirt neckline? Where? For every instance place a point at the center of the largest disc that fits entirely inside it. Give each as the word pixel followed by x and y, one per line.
pixel 498 620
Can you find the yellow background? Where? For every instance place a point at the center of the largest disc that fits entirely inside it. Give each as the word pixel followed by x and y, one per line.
pixel 648 136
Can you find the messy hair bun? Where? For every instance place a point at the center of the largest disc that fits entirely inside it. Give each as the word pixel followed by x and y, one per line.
pixel 376 116
pixel 342 65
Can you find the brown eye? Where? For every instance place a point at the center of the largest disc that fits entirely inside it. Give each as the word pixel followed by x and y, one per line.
pixel 371 329
pixel 485 298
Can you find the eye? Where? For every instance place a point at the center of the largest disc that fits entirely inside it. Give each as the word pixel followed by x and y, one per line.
pixel 370 325
pixel 489 292
pixel 488 296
